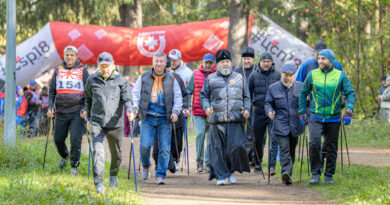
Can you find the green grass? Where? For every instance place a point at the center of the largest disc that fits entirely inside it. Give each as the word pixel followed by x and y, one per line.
pixel 357 184
pixel 368 132
pixel 23 181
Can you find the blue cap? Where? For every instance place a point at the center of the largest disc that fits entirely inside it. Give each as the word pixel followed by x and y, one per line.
pixel 209 57
pixel 327 53
pixel 289 68
pixel 32 82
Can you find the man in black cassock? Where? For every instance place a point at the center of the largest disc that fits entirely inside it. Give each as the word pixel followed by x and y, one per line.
pixel 225 99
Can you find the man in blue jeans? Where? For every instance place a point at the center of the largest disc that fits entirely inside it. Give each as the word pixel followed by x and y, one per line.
pixel 194 87
pixel 158 100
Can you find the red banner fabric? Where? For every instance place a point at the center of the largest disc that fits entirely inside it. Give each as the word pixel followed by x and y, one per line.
pixel 136 46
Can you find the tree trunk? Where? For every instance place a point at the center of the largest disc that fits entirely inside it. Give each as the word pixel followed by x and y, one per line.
pixel 131 16
pixel 238 29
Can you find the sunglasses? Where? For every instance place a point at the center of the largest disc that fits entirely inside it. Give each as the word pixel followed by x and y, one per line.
pixel 104 59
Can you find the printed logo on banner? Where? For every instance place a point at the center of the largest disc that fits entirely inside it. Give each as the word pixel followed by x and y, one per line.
pixel 150 42
pixel 213 43
pixel 84 52
pixel 100 33
pixel 74 34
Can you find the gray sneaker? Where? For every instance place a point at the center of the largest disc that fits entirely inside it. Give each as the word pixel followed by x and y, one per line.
pixel 63 163
pixel 100 188
pixel 73 171
pixel 199 168
pixel 315 179
pixel 113 182
pixel 329 180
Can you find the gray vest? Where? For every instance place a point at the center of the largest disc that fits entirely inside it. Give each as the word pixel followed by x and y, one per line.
pixel 226 97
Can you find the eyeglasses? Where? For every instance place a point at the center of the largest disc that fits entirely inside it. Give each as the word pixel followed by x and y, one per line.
pixel 104 59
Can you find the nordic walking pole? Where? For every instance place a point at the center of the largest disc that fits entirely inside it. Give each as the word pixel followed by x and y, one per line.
pixel 186 137
pixel 307 154
pixel 341 145
pixel 301 153
pixel 254 145
pixel 269 151
pixel 346 143
pixel 89 154
pixel 175 136
pixel 132 150
pixel 299 146
pixel 47 141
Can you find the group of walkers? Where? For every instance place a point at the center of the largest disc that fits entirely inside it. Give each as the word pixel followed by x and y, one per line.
pixel 31 109
pixel 233 110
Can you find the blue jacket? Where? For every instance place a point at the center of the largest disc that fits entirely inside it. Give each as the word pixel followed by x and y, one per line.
pixel 311 65
pixel 284 102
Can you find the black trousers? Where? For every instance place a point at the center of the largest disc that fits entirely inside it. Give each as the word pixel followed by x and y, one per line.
pixel 287 145
pixel 328 151
pixel 114 139
pixel 74 124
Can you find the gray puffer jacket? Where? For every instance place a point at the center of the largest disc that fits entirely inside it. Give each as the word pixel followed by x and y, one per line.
pixel 105 99
pixel 227 95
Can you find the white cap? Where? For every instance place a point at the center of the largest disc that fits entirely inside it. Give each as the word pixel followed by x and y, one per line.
pixel 175 54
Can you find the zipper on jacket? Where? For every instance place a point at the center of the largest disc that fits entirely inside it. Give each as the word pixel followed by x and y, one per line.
pixel 323 114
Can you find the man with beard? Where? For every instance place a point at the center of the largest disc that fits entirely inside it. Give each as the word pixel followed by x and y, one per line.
pixel 248 57
pixel 225 99
pixel 259 81
pixel 281 104
pixel 327 85
pixel 66 102
pixel 201 128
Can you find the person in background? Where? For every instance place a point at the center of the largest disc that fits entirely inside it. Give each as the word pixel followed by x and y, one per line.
pixel 34 104
pixel 385 102
pixel 21 110
pixel 44 120
pixel 383 83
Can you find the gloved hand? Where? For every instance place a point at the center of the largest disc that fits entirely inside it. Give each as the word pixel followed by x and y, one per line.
pixel 303 118
pixel 347 117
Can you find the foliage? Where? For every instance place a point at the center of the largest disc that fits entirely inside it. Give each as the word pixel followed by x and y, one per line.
pixel 368 132
pixel 22 179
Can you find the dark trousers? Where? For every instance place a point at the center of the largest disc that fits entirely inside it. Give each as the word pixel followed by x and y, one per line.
pixel 330 132
pixel 287 146
pixel 114 139
pixel 75 124
pixel 32 123
pixel 260 124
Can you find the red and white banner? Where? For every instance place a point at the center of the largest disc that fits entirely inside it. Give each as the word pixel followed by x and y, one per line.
pixel 130 46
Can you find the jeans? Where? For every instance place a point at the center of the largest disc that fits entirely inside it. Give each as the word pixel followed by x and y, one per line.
pixel 201 130
pixel 75 124
pixel 260 124
pixel 151 127
pixel 330 132
pixel 114 139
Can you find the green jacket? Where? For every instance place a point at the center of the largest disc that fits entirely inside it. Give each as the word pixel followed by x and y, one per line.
pixel 327 89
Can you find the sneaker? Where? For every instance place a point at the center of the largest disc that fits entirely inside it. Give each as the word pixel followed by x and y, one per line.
pixel 258 169
pixel 200 167
pixel 315 179
pixel 329 180
pixel 100 188
pixel 232 179
pixel 286 179
pixel 177 165
pixel 221 182
pixel 160 181
pixel 63 163
pixel 145 174
pixel 113 182
pixel 73 171
pixel 272 171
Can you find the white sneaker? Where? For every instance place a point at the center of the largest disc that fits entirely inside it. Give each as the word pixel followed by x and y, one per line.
pixel 177 165
pixel 221 182
pixel 73 171
pixel 232 179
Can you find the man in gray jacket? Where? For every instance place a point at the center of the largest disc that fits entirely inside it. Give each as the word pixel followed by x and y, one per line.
pixel 225 99
pixel 106 93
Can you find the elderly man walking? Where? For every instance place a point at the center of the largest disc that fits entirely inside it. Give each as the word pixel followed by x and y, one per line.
pixel 281 105
pixel 225 99
pixel 158 100
pixel 107 93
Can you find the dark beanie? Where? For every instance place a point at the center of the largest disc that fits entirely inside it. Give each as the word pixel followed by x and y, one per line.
pixel 223 55
pixel 266 55
pixel 168 61
pixel 248 52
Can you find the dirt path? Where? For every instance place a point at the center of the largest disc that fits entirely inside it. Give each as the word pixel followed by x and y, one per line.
pixel 196 189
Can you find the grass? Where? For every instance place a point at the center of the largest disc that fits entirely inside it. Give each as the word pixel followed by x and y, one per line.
pixel 22 179
pixel 368 132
